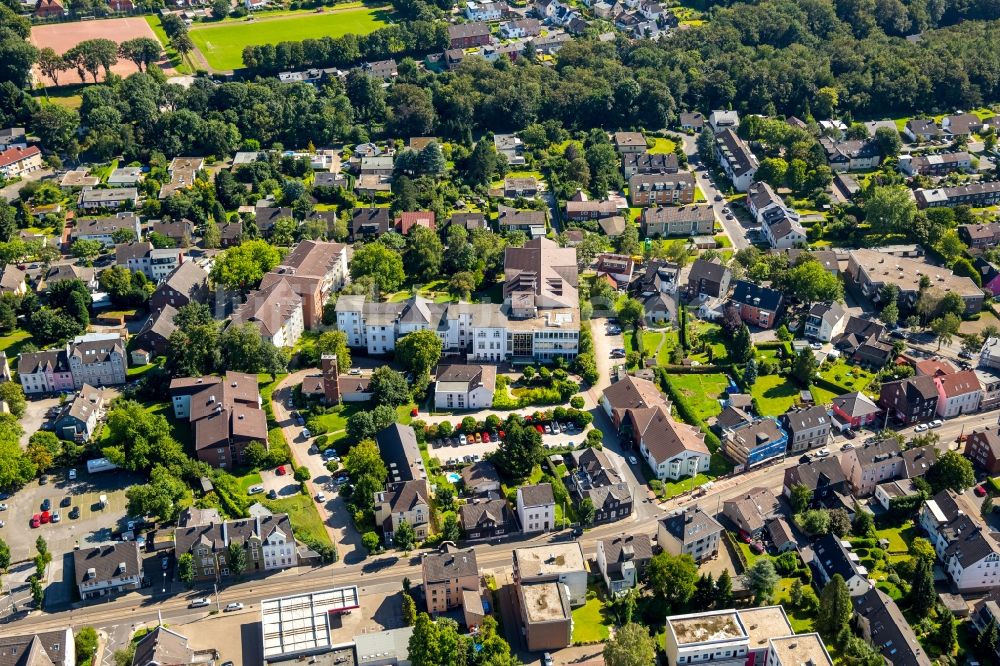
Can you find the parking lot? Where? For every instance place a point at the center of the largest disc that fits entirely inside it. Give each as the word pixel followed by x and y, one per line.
pixel 35 414
pixel 450 448
pixel 94 525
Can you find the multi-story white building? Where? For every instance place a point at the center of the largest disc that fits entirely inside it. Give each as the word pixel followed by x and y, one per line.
pixel 459 386
pixel 103 228
pixel 963 543
pixel 108 570
pixel 277 312
pixel 536 508
pixel 154 263
pixel 97 359
pixel 958 393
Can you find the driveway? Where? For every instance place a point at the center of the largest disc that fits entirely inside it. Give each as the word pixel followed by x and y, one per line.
pixel 733 228
pixel 333 512
pixel 10 192
pixel 34 416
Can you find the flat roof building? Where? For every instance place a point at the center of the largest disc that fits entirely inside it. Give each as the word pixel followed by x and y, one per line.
pixel 299 625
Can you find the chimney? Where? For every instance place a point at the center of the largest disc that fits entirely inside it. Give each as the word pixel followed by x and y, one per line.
pixel 331 379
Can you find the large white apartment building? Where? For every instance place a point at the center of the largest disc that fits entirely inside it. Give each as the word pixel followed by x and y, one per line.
pixel 538 320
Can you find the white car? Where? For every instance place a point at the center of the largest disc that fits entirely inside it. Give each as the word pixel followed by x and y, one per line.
pixel 823 453
pixel 72 475
pixel 200 602
pixel 920 427
pixel 253 490
pixel 235 606
pixel 3 507
pixel 462 440
pixel 847 447
pixel 632 460
pixel 320 497
pixel 306 434
pixel 555 428
pixel 936 423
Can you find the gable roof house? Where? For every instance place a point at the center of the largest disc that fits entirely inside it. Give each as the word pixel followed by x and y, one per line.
pixel 854 410
pixel 982 447
pixel 647 189
pixel 78 418
pixel 883 625
pixel 868 465
pixel 807 428
pixel 690 531
pixel 179 231
pixel 107 570
pixel 862 341
pixel 851 155
pixel 646 163
pixel 481 478
pixel 103 228
pixel 314 270
pixel 833 556
pixel 459 386
pixel 910 400
pixel 468 35
pixel 754 443
pixel 825 321
pixel 921 129
pixel 483 519
pixel 185 284
pixel 37 648
pixel 446 575
pixel 266 539
pixel 155 334
pixel 622 560
pixel 958 393
pixel 663 221
pixel 708 279
pixel 111 199
pixel 758 306
pixel 751 511
pixel 276 310
pixel 370 222
pixel 824 477
pixel 226 417
pixel 536 507
pixel 404 500
pixel 963 124
pixel 736 158
pixel 967 548
pixel 594 477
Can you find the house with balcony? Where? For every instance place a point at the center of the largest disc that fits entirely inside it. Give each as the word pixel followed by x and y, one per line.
pixel 754 443
pixel 446 575
pixel 622 561
pixel 689 531
pixel 407 501
pixel 825 321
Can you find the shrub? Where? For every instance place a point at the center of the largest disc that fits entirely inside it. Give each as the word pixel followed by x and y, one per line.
pixel 302 474
pixel 576 402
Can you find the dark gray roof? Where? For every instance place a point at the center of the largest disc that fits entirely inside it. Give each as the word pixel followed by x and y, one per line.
pixel 480 473
pixel 105 561
pixel 626 548
pixel 440 567
pixel 35 649
pixel 161 647
pixel 807 419
pixel 748 293
pixel 401 453
pixel 539 494
pixel 919 460
pixel 709 271
pixel 877 451
pixel 815 473
pixel 690 525
pixel 834 558
pixel 51 360
pixel 890 632
pixel 188 279
pixel 484 512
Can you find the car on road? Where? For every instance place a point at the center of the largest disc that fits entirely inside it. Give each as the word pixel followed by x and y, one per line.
pixel 72 475
pixel 354 371
pixel 979 490
pixel 200 602
pixel 548 429
pixel 43 480
pixel 729 216
pixel 718 197
pixel 847 447
pixel 65 501
pixel 235 606
pixel 540 429
pixel 920 427
pixel 253 490
pixel 36 520
pixel 823 453
pixel 547 659
pixel 964 354
pixel 486 438
pixel 936 423
pixel 632 460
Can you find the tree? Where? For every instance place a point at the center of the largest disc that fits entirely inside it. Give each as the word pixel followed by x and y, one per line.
pixel 631 646
pixel 43 448
pixel 243 349
pixel 13 395
pixel 672 578
pixel 951 470
pixel 805 366
pixel 185 568
pixel 704 592
pixel 795 593
pixel 51 64
pixel 160 497
pixel 418 351
pixel 37 592
pixel 56 127
pixel 801 497
pixel 922 594
pixel 389 387
pixel 4 556
pixel 840 522
pixel 424 253
pixel 86 644
pixel 742 346
pixel 462 284
pixel 888 141
pixel 371 541
pixel 761 579
pixel 986 510
pixel 835 609
pixel 724 590
pixel 377 262
pixel 890 314
pixel 236 558
pixel 364 425
pixel 809 281
pixel 864 523
pixel 365 459
pixel 519 451
pixel 450 530
pixel 631 312
pixel 243 266
pixel 890 209
pixel 946 636
pixel 706 147
pixel 404 537
pixel 409 610
pixel 86 249
pixel 986 643
pixel 586 511
pixel 143 51
pixel 945 327
pixel 221 8
pixel 750 372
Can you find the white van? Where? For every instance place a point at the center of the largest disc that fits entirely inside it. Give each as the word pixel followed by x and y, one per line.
pixel 200 602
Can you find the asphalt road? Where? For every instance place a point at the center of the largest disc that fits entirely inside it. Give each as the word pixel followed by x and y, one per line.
pixel 733 228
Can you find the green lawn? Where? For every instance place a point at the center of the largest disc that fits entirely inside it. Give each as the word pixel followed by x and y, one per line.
pixel 899 538
pixel 851 377
pixel 589 623
pixel 251 479
pixel 181 66
pixel 11 344
pixel 662 145
pixel 702 391
pixel 663 340
pixel 775 394
pixel 222 44
pixel 303 515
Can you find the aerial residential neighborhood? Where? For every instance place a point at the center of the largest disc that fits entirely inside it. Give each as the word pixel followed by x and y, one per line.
pixel 486 333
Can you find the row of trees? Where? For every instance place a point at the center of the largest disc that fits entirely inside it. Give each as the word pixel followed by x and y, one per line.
pixel 92 55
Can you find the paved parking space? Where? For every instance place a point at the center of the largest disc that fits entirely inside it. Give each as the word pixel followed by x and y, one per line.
pixel 235 635
pixel 447 449
pixel 284 485
pixel 95 524
pixel 35 414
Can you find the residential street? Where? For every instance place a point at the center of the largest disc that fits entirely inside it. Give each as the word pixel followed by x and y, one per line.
pixel 733 228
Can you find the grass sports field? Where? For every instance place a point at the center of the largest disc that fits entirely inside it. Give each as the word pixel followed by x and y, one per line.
pixel 222 43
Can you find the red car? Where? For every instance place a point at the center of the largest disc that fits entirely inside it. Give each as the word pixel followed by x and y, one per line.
pixel 281 471
pixel 486 437
pixel 45 517
pixel 36 520
pixel 979 490
pixel 540 429
pixel 501 434
pixel 414 412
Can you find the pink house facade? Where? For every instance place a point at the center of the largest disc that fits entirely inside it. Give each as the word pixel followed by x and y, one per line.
pixel 45 372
